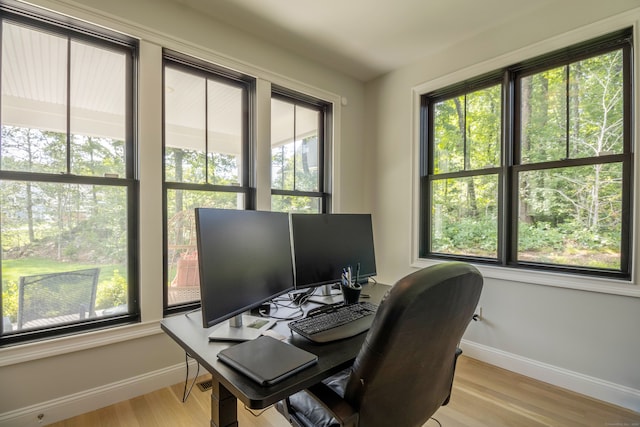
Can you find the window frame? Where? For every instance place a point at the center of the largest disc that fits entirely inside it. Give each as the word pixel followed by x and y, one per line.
pixel 324 144
pixel 508 188
pixel 72 29
pixel 247 185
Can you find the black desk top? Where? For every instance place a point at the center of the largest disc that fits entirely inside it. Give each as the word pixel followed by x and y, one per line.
pixel 188 332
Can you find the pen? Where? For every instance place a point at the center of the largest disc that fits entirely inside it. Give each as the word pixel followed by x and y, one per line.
pixel 349 277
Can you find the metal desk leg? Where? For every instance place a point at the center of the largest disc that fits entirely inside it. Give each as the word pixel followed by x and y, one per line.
pixel 223 406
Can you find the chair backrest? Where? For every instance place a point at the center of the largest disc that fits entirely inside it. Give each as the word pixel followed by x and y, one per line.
pixel 50 297
pixel 404 370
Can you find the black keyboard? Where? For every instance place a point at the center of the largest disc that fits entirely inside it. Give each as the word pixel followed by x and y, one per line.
pixel 335 322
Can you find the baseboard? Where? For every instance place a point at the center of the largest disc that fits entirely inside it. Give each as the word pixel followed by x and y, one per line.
pixel 79 403
pixel 596 388
pixel 99 397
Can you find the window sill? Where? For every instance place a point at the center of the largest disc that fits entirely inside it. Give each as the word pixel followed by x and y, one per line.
pixel 545 278
pixel 57 346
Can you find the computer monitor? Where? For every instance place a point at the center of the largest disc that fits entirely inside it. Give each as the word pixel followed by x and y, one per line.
pixel 324 244
pixel 245 259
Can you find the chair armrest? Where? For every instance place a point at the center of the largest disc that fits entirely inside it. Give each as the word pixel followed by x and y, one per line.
pixel 346 415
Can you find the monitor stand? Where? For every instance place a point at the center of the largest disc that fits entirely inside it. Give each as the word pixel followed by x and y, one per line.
pixel 327 296
pixel 242 327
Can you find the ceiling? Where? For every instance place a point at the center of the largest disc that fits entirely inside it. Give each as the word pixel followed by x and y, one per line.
pixel 366 38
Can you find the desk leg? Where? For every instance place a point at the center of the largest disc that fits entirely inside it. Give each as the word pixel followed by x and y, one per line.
pixel 223 406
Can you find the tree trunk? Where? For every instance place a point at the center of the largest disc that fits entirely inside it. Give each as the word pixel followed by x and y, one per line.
pixel 525 144
pixel 471 189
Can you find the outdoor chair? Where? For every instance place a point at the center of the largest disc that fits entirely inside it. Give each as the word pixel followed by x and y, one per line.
pixel 54 298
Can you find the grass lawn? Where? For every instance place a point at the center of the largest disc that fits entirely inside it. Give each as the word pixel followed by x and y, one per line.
pixel 12 269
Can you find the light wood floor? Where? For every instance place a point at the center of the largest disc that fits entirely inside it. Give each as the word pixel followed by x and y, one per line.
pixel 483 395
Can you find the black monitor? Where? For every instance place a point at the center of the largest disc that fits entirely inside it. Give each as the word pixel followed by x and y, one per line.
pixel 324 244
pixel 244 259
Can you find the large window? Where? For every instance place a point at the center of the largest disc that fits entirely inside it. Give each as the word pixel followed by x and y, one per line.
pixel 531 166
pixel 206 161
pixel 68 194
pixel 298 142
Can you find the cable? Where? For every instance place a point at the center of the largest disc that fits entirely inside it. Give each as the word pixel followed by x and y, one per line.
pixel 302 297
pixel 185 393
pixel 259 413
pixel 292 317
pixel 434 419
pixel 286 303
pixel 186 314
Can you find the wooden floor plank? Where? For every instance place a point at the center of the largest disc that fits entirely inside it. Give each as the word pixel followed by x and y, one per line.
pixel 483 396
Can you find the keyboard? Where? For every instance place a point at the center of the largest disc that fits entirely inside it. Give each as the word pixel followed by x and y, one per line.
pixel 335 322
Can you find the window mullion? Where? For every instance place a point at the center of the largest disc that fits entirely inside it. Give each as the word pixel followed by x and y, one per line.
pixel 206 131
pixel 567 108
pixel 68 124
pixel 282 173
pixel 295 148
pixel 467 161
pixel 506 212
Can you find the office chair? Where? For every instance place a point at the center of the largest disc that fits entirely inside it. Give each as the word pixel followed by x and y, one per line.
pixel 404 371
pixel 48 299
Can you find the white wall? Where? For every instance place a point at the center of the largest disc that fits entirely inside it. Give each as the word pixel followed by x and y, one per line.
pixel 577 333
pixel 64 377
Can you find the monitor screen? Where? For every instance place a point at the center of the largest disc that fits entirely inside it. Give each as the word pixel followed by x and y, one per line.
pixel 324 244
pixel 244 259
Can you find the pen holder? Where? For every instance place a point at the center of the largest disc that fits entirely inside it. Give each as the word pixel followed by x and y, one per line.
pixel 351 294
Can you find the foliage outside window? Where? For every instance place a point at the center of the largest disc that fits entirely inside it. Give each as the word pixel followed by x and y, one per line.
pixel 297 155
pixel 466 156
pixel 67 189
pixel 205 161
pixel 535 173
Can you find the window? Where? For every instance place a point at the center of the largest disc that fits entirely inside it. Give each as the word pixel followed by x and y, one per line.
pixel 298 143
pixel 68 194
pixel 206 161
pixel 531 166
pixel 466 155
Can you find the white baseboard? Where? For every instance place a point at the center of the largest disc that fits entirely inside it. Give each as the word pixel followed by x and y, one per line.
pixel 596 388
pixel 99 397
pixel 79 403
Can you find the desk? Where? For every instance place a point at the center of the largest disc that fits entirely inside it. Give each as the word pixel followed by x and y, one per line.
pixel 230 386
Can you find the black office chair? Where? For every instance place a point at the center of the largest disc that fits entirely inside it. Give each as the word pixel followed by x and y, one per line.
pixel 404 371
